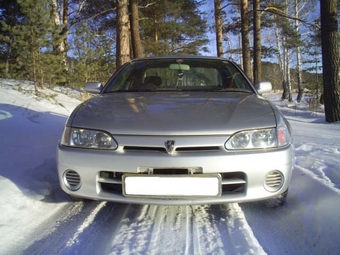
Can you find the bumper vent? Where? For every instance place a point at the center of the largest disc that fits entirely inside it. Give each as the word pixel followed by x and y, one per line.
pixel 178 149
pixel 274 181
pixel 72 180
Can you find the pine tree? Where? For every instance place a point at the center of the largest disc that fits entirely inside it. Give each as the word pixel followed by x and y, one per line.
pixel 10 16
pixel 33 42
pixel 173 27
pixel 94 63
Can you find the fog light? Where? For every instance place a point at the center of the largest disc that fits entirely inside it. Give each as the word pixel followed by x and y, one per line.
pixel 274 181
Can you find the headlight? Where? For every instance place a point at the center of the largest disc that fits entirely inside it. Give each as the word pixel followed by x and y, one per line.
pixel 258 139
pixel 86 138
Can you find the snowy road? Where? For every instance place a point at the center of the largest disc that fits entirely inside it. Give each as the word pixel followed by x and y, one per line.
pixel 135 229
pixel 36 217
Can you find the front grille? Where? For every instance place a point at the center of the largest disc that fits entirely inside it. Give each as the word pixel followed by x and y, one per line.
pixel 232 183
pixel 178 149
pixel 197 149
pixel 111 182
pixel 112 188
pixel 72 180
pixel 148 149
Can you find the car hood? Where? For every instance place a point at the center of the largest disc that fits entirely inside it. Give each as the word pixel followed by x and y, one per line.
pixel 167 113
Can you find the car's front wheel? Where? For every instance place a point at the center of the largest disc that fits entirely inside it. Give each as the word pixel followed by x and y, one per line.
pixel 276 201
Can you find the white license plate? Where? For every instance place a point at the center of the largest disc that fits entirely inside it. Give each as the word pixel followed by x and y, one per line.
pixel 172 186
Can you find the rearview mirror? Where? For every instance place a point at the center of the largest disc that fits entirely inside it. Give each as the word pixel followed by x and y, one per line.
pixel 263 87
pixel 93 87
pixel 182 67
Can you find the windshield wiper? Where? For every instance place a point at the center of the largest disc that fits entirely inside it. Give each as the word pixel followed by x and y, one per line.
pixel 178 89
pixel 233 90
pixel 132 90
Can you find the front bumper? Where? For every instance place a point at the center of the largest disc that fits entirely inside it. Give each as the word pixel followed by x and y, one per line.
pixel 100 173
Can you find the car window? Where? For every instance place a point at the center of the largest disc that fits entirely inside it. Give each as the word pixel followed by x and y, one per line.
pixel 178 74
pixel 196 76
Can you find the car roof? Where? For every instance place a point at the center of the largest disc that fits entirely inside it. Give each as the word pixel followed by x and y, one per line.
pixel 182 57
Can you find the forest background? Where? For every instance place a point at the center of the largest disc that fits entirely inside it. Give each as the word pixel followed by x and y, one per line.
pixel 71 42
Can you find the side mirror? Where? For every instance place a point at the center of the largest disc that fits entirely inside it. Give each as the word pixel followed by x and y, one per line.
pixel 93 87
pixel 263 87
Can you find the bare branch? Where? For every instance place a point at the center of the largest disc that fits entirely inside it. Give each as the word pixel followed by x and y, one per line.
pixel 91 17
pixel 228 5
pixel 81 6
pixel 281 13
pixel 146 6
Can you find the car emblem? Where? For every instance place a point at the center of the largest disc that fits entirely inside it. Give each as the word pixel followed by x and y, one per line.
pixel 169 146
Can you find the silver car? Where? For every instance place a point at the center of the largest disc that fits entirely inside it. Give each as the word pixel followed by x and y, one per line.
pixel 178 130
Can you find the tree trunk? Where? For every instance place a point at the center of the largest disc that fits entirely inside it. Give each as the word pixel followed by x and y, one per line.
pixel 284 75
pixel 288 75
pixel 60 44
pixel 330 59
pixel 257 70
pixel 64 33
pixel 281 63
pixel 298 56
pixel 218 24
pixel 245 38
pixel 10 45
pixel 34 72
pixel 299 74
pixel 135 36
pixel 123 33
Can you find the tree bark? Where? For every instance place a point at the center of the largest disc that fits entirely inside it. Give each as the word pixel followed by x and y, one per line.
pixel 123 33
pixel 218 24
pixel 64 32
pixel 298 56
pixel 245 38
pixel 135 36
pixel 330 59
pixel 257 70
pixel 7 65
pixel 60 45
pixel 285 91
pixel 287 73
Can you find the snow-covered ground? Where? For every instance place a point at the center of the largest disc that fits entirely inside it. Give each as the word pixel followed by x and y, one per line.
pixel 36 217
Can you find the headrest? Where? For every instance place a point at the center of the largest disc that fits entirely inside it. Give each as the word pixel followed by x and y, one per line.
pixel 155 80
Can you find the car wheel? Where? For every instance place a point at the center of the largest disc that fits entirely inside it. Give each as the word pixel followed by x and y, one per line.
pixel 276 201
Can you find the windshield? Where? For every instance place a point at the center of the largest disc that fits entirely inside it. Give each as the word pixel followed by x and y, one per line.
pixel 178 75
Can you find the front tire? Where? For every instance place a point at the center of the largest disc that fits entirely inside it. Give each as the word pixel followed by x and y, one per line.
pixel 278 201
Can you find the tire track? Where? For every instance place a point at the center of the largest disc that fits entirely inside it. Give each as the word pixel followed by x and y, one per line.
pixel 107 228
pixel 207 232
pixel 132 235
pixel 82 228
pixel 68 221
pixel 190 236
pixel 240 235
pixel 185 230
